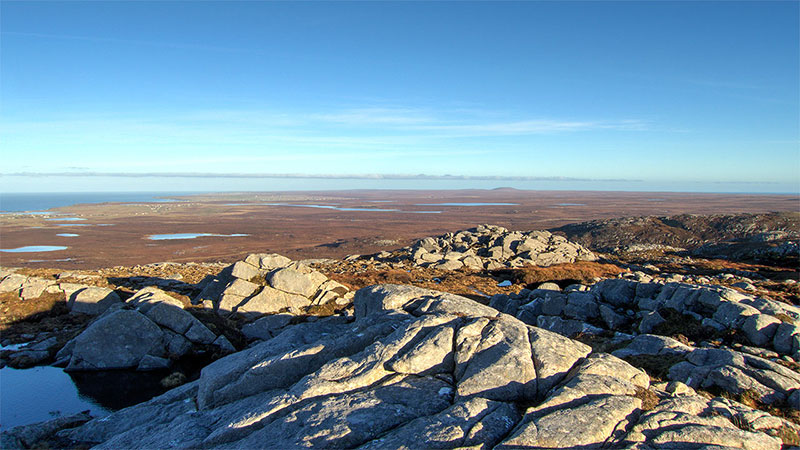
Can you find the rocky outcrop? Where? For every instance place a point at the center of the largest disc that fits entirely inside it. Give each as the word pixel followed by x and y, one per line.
pixel 81 299
pixel 728 235
pixel 761 372
pixel 147 332
pixel 269 283
pixel 422 368
pixel 633 307
pixel 29 436
pixel 490 247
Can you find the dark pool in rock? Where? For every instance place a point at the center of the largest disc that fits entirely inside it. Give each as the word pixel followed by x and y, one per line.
pixel 43 393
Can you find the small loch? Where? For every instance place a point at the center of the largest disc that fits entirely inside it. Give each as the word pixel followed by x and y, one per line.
pixel 34 248
pixel 466 204
pixel 164 237
pixel 337 208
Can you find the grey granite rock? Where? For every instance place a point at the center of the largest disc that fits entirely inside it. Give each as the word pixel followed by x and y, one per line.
pixel 92 300
pixel 117 341
pixel 420 368
pixel 760 328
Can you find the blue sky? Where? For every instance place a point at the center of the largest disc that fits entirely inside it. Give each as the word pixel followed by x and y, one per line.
pixel 668 95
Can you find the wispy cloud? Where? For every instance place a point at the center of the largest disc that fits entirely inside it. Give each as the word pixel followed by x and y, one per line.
pixel 263 139
pixel 376 116
pixel 530 127
pixel 367 126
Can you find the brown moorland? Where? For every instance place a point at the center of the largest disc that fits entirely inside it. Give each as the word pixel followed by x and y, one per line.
pixel 311 231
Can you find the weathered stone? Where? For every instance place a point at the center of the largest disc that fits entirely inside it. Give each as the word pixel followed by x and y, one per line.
pixel 245 271
pixel 295 281
pixel 224 344
pixel 46 345
pixel 450 264
pixel 715 357
pixel 611 366
pixel 553 356
pixel 434 354
pixel 117 341
pixel 550 286
pixel 493 360
pixel 553 303
pixel 266 327
pixel 356 417
pixel 148 297
pixel 650 321
pixel 271 300
pixel 199 333
pixel 734 380
pixel 92 300
pixel 566 327
pixel 135 420
pixel 419 301
pixel 12 283
pixel 649 344
pixel 732 315
pixel 649 290
pixel 713 324
pixel 27 436
pixel 384 297
pixel 760 328
pixel 618 292
pixel 34 288
pixel 28 358
pixel 228 303
pixel 473 262
pixel 707 435
pixel 176 344
pixel 270 261
pixel 683 297
pixel 214 286
pixel 285 359
pixel 582 425
pixel 70 288
pixel 581 306
pixel 171 316
pixel 241 288
pixel 476 423
pixel 611 318
pixel 785 337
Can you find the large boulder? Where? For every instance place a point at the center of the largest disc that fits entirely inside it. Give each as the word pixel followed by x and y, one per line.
pixel 146 333
pixel 117 341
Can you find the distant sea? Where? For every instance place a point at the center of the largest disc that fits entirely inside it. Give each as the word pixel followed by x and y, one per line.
pixel 40 201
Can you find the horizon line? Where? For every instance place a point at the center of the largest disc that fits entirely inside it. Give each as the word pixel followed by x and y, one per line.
pixel 365 176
